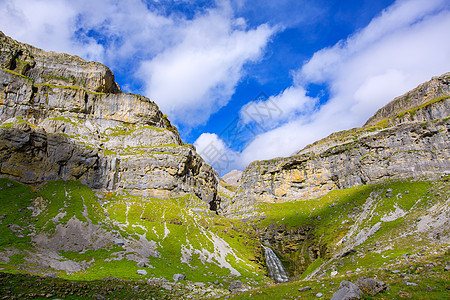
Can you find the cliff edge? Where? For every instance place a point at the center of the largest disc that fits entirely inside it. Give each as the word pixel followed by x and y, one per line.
pixel 64 118
pixel 406 138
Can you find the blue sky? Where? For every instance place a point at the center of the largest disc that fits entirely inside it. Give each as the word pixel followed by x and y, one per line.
pixel 248 80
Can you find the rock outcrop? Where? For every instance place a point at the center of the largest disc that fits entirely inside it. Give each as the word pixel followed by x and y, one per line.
pixel 55 68
pixel 403 108
pixel 347 291
pixel 407 138
pixel 64 118
pixel 371 286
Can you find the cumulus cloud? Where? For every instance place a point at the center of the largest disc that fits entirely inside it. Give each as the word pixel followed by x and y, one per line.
pixel 275 110
pixel 399 49
pixel 198 76
pixel 46 24
pixel 215 152
pixel 114 32
pixel 93 29
pixel 189 66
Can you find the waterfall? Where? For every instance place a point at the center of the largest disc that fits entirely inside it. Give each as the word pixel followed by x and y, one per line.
pixel 274 266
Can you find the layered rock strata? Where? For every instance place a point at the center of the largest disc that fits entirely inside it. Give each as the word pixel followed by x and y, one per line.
pixel 403 109
pixel 407 138
pixel 55 68
pixel 64 118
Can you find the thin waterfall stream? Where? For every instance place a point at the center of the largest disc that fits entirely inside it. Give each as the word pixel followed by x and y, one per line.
pixel 274 266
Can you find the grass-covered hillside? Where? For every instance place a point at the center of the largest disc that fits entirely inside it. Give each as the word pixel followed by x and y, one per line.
pixel 420 278
pixel 65 230
pixel 396 231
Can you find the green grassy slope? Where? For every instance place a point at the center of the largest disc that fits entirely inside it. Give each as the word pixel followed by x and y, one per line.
pixel 412 237
pixel 94 236
pixel 427 272
pixel 405 224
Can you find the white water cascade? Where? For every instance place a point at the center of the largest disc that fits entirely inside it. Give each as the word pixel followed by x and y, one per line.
pixel 274 266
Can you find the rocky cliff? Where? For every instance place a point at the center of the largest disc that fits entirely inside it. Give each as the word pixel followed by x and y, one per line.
pixel 407 138
pixel 405 108
pixel 64 118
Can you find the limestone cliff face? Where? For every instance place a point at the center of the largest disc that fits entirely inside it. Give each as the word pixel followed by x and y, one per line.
pixel 398 109
pixel 64 118
pixel 398 142
pixel 55 68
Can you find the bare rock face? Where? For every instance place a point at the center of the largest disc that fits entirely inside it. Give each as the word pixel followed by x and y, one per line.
pixel 400 108
pixel 55 68
pixel 410 142
pixel 237 286
pixel 64 118
pixel 33 156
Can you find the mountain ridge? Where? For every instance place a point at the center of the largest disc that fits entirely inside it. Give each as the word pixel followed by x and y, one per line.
pixel 406 142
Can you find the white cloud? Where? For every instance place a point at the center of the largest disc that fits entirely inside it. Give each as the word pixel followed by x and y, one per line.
pixel 46 24
pixel 188 67
pixel 393 22
pixel 403 47
pixel 369 94
pixel 283 141
pixel 214 151
pixel 279 109
pixel 196 77
pixel 111 31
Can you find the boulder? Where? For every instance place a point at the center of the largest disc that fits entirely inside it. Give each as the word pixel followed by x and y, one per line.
pixel 237 286
pixel 371 286
pixel 347 291
pixel 179 277
pixel 404 295
pixel 119 242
